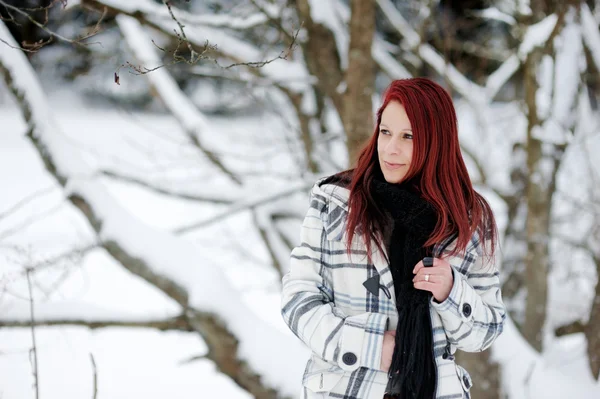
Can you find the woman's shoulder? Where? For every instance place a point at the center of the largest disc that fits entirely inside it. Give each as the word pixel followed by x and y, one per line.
pixel 332 192
pixel 340 179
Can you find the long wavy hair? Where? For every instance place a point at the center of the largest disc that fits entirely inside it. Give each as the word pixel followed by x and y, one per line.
pixel 437 172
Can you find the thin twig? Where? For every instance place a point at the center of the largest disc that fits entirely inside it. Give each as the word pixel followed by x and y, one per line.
pixel 189 45
pixel 283 55
pixel 34 349
pixel 24 201
pixel 33 219
pixel 244 205
pixel 170 192
pixel 95 371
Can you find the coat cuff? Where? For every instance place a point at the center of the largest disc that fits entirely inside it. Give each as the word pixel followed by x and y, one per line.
pixel 458 307
pixel 362 341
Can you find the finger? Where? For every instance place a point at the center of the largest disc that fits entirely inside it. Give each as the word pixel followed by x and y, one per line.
pixel 439 267
pixel 418 267
pixel 433 278
pixel 437 262
pixel 425 286
pixel 433 272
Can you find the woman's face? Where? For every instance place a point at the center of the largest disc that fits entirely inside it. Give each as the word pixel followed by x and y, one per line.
pixel 394 144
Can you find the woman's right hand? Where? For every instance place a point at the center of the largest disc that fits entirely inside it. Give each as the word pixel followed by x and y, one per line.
pixel 389 342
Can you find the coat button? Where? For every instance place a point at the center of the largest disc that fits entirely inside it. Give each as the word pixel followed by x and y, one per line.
pixel 349 358
pixel 466 381
pixel 466 310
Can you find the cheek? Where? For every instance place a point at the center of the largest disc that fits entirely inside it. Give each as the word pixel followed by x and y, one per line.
pixel 409 151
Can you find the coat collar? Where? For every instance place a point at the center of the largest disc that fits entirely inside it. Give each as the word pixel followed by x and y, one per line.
pixel 334 215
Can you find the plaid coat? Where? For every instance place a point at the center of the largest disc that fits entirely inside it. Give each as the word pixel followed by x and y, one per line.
pixel 339 306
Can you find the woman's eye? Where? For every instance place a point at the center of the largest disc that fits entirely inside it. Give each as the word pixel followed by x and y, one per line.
pixel 408 136
pixel 383 131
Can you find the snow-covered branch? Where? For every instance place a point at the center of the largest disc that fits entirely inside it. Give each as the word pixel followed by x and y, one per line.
pixel 472 92
pixel 178 323
pixel 292 74
pixel 591 35
pixel 191 119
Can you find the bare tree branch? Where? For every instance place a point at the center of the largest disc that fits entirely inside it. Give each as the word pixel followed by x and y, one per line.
pixel 216 198
pixel 244 205
pixel 26 200
pixel 573 328
pixel 178 323
pixel 30 220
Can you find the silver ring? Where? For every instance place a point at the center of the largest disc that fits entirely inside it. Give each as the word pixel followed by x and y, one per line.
pixel 427 277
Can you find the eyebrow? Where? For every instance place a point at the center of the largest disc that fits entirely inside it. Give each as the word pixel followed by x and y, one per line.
pixel 402 130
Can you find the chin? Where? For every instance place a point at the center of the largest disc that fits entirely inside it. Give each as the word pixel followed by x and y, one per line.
pixel 393 178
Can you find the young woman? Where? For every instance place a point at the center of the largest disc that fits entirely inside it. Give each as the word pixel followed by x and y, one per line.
pixel 396 269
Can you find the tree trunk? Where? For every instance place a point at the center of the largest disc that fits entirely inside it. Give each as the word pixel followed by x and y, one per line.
pixel 592 330
pixel 537 221
pixel 360 78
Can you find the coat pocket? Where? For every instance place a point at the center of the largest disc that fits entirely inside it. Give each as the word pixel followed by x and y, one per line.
pixel 464 378
pixel 323 381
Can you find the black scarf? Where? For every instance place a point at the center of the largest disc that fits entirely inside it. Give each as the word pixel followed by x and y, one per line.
pixel 410 222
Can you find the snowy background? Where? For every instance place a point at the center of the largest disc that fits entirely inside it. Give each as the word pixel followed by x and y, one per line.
pixel 133 214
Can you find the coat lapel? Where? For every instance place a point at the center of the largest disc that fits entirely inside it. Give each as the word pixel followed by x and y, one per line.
pixel 336 198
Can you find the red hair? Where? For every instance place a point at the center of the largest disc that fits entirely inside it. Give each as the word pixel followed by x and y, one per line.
pixel 437 171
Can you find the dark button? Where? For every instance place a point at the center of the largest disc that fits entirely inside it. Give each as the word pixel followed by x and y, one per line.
pixel 466 310
pixel 466 381
pixel 349 358
pixel 447 356
pixel 444 356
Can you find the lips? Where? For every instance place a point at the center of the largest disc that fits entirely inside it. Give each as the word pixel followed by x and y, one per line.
pixel 393 166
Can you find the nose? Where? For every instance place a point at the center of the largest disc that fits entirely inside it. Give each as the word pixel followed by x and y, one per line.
pixel 393 145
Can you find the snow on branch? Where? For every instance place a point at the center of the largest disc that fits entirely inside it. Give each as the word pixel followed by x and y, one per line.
pixel 591 35
pixel 177 267
pixel 500 76
pixel 292 74
pixel 492 13
pixel 73 313
pixel 191 119
pixel 537 35
pixel 156 11
pixel 472 92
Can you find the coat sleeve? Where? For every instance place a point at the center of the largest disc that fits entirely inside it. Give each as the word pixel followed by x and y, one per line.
pixel 473 314
pixel 308 307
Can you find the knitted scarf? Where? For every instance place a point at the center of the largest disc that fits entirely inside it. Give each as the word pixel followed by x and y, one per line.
pixel 411 220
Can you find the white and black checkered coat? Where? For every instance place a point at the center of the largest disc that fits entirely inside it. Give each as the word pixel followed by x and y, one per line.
pixel 330 301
